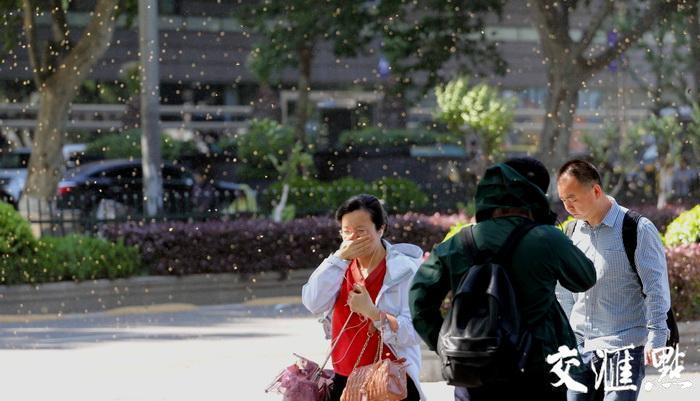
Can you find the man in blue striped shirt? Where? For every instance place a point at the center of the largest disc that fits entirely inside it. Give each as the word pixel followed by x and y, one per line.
pixel 616 326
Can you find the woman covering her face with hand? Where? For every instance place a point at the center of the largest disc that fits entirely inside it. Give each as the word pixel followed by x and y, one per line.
pixel 367 280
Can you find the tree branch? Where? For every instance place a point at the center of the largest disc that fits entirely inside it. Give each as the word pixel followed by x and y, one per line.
pixel 29 25
pixel 92 44
pixel 552 26
pixel 59 24
pixel 594 25
pixel 658 10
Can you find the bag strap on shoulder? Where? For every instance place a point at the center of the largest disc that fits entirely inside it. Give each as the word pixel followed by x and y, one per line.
pixel 505 253
pixel 569 228
pixel 629 235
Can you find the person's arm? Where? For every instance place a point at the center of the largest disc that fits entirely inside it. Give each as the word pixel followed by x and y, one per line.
pixel 319 293
pixel 650 259
pixel 575 272
pixel 399 330
pixel 430 285
pixel 566 299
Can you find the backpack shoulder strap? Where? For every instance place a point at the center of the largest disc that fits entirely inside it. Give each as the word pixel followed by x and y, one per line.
pixel 629 241
pixel 569 229
pixel 629 235
pixel 469 244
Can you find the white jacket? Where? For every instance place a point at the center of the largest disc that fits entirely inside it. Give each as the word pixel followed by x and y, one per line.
pixel 402 262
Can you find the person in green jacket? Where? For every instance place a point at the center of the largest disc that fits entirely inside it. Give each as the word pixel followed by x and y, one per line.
pixel 507 195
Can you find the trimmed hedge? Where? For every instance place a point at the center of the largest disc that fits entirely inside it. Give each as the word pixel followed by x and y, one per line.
pixel 380 137
pixel 17 246
pixel 24 259
pixel 685 229
pixel 127 145
pixel 684 277
pixel 400 195
pixel 255 245
pixel 79 257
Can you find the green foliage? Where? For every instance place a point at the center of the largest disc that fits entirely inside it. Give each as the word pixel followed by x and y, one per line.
pixel 24 259
pixel 669 62
pixel 666 134
pixel 424 36
pixel 685 229
pixel 264 138
pixel 379 137
pixel 400 195
pixel 286 28
pixel 480 109
pixel 79 257
pixel 10 24
pixel 127 145
pixel 17 246
pixel 297 165
pixel 310 196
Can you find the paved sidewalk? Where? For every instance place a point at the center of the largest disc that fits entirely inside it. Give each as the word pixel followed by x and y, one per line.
pixel 175 353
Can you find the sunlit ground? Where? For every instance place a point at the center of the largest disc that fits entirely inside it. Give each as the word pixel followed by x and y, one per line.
pixel 210 353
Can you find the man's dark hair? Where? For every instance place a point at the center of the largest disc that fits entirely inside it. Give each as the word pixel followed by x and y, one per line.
pixel 583 171
pixel 532 169
pixel 368 203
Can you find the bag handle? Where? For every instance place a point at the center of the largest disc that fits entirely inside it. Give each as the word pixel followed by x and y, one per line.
pixel 333 345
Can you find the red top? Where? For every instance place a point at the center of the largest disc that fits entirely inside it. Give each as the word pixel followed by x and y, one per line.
pixel 352 340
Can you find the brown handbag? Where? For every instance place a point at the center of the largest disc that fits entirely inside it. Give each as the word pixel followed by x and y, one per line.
pixel 383 380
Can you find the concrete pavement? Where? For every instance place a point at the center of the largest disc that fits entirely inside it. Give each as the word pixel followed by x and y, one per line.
pixel 175 353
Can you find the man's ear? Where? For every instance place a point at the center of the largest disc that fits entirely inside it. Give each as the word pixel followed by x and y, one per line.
pixel 598 191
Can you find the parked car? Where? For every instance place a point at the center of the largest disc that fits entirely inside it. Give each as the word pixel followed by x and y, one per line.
pixel 13 169
pixel 121 180
pixel 13 174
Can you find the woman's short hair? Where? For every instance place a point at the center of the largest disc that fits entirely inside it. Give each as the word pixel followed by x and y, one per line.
pixel 368 203
pixel 583 171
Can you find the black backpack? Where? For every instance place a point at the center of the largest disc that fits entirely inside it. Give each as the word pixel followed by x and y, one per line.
pixel 482 339
pixel 629 239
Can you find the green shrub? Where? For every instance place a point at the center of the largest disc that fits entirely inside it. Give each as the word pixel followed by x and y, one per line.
pixel 127 145
pixel 684 278
pixel 24 259
pixel 379 137
pixel 400 195
pixel 79 257
pixel 17 245
pixel 264 137
pixel 315 197
pixel 685 229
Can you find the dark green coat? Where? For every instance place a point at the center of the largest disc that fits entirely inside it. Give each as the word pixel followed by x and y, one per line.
pixel 543 257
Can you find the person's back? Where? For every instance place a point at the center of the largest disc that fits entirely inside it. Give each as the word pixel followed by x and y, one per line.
pixel 506 199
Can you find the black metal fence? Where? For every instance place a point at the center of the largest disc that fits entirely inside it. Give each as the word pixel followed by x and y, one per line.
pixel 90 214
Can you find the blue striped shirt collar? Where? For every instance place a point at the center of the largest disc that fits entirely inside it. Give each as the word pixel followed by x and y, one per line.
pixel 611 217
pixel 612 214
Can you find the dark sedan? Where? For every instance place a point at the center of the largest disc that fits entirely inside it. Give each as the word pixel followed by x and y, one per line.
pixel 121 180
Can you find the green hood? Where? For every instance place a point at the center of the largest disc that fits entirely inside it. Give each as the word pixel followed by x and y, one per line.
pixel 503 187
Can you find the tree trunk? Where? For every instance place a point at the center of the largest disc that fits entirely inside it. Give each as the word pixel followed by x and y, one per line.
pixel 46 164
pixel 303 88
pixel 58 85
pixel 560 108
pixel 266 104
pixel 665 184
pixel 392 108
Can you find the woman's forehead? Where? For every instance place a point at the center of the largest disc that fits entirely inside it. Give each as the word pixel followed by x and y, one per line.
pixel 356 218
